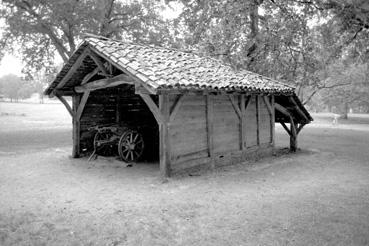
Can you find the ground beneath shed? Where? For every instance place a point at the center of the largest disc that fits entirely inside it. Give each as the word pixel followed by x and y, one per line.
pixel 319 196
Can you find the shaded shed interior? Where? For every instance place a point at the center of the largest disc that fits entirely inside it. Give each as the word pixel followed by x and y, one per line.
pixel 119 106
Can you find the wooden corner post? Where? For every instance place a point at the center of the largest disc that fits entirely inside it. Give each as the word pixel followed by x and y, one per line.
pixel 76 127
pixel 164 145
pixel 293 136
pixel 210 128
pixel 272 120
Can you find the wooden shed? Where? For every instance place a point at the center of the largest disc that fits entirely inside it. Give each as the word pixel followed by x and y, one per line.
pixel 201 111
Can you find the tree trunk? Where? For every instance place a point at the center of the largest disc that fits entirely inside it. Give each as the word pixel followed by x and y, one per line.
pixel 345 112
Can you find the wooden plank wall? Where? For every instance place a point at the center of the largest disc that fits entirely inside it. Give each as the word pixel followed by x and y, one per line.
pixel 226 125
pixel 188 132
pixel 100 109
pixel 251 123
pixel 265 123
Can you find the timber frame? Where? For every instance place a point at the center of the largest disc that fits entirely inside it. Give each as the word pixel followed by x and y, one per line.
pixel 229 126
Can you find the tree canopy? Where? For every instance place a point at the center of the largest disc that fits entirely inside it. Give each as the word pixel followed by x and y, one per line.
pixel 311 44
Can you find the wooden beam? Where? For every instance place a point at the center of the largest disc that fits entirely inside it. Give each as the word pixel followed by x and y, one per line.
pixel 90 75
pixel 243 122
pixel 139 89
pixel 72 70
pixel 257 98
pixel 104 83
pixel 176 105
pixel 235 106
pixel 164 144
pixel 66 104
pixel 82 104
pixel 153 108
pixel 210 127
pixel 138 80
pixel 286 128
pixel 293 136
pixel 76 132
pixel 298 109
pixel 99 64
pixel 282 109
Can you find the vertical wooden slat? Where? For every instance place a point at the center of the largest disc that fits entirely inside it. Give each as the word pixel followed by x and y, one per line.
pixel 76 127
pixel 272 121
pixel 257 98
pixel 117 110
pixel 210 127
pixel 164 144
pixel 243 121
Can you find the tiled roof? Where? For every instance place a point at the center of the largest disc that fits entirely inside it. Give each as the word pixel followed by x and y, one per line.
pixel 162 68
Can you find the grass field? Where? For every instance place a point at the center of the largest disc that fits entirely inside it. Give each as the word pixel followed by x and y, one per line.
pixel 318 196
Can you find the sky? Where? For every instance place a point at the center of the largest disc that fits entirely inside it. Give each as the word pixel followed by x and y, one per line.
pixel 10 65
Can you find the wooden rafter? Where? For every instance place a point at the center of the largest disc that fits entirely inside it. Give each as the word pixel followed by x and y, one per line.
pixel 176 105
pixel 66 104
pixel 98 62
pixel 138 80
pixel 104 83
pixel 153 107
pixel 235 106
pixel 282 109
pixel 72 70
pixel 298 109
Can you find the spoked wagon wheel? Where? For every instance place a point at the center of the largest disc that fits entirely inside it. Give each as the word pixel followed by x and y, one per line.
pixel 100 143
pixel 131 146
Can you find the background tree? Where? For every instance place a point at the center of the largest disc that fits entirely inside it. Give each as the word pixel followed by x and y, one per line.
pixel 44 28
pixel 14 88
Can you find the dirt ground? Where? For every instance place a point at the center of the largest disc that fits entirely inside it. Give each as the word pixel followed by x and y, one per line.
pixel 318 196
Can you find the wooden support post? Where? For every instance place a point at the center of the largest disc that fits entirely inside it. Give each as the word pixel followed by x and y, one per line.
pixel 271 109
pixel 210 128
pixel 164 144
pixel 243 122
pixel 257 119
pixel 293 136
pixel 76 127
